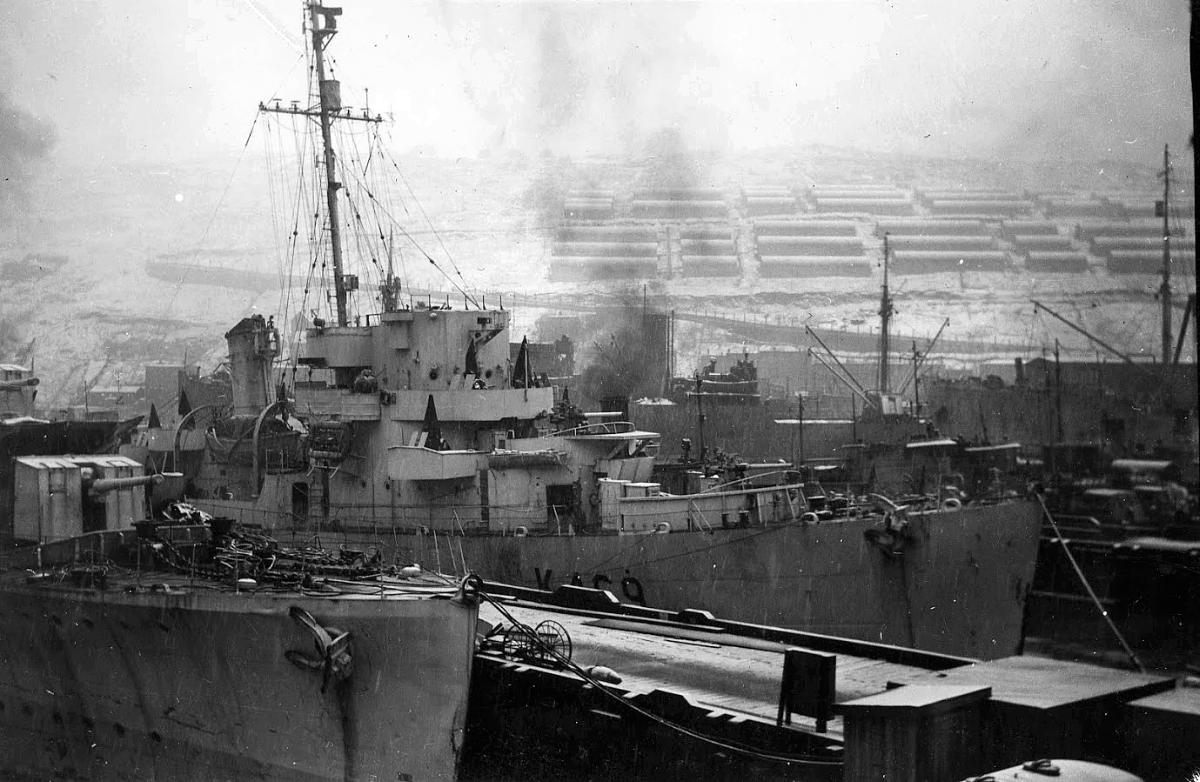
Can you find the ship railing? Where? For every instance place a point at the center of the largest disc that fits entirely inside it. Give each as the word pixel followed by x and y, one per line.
pixel 386 518
pixel 600 427
pixel 1091 528
pixel 750 482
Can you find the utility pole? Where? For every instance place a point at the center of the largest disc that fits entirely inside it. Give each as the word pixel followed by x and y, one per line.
pixel 1164 291
pixel 916 358
pixel 885 316
pixel 1058 392
pixel 800 425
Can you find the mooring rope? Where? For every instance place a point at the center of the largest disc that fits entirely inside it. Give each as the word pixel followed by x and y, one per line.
pixel 1091 592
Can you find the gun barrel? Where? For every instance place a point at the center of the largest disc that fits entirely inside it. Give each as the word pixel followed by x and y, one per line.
pixel 103 485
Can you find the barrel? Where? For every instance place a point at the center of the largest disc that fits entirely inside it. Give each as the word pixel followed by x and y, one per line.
pixel 102 485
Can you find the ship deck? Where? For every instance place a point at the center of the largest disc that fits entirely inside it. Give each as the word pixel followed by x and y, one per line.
pixel 710 667
pixel 731 676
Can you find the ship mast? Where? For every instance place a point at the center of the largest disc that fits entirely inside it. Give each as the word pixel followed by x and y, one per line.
pixel 886 310
pixel 1164 291
pixel 329 108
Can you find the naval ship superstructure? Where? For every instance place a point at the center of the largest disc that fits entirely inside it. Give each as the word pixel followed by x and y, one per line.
pixel 185 647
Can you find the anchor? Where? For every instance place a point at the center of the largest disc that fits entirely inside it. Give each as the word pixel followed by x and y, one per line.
pixel 333 660
pixel 894 534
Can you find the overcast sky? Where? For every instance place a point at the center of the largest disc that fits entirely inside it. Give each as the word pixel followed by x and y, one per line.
pixel 167 79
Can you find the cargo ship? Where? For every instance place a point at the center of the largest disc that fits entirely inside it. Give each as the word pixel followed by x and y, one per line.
pixel 472 463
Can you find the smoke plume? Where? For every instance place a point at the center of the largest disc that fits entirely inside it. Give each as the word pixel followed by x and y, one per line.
pixel 625 357
pixel 24 139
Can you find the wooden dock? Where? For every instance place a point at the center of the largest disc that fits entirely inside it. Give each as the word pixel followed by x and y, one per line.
pixel 698 695
pixel 711 667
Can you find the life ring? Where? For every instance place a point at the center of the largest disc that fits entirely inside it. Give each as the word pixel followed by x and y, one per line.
pixel 952 503
pixel 810 518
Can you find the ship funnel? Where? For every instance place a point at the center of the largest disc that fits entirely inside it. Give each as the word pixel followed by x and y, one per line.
pixel 253 346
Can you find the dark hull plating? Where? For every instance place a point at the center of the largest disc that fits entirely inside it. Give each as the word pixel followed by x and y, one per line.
pixel 196 686
pixel 958 585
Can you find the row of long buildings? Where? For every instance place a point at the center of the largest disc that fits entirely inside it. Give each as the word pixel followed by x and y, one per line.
pixel 684 234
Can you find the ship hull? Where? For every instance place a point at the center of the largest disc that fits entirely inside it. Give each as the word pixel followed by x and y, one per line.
pixel 196 685
pixel 958 585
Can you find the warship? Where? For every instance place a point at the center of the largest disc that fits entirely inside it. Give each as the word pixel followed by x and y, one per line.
pixel 177 650
pixel 190 647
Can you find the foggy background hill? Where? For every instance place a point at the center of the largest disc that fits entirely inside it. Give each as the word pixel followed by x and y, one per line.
pixel 126 132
